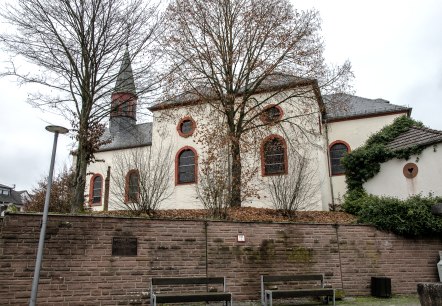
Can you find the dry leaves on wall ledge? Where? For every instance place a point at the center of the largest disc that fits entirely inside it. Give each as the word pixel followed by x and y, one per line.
pixel 250 214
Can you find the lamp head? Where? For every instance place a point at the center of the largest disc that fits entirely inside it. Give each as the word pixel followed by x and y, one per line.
pixel 56 129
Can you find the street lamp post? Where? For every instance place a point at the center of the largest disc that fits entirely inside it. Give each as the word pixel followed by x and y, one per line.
pixel 56 130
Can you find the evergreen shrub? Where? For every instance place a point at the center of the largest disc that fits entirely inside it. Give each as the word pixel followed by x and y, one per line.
pixel 410 217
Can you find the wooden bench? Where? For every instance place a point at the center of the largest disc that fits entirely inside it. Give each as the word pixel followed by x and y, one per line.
pixel 267 295
pixel 189 283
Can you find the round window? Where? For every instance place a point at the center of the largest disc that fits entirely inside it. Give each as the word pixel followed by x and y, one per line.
pixel 271 114
pixel 186 127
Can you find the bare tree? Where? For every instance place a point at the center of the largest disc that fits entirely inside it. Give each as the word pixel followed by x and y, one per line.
pixel 61 194
pixel 215 179
pixel 78 48
pixel 297 189
pixel 224 52
pixel 213 188
pixel 140 179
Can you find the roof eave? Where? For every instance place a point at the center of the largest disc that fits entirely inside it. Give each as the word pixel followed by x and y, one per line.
pixel 125 147
pixel 296 84
pixel 362 116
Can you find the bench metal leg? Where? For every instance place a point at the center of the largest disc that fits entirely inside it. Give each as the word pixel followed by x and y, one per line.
pixel 268 299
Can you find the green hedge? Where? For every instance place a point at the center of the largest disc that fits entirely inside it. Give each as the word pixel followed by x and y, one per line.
pixel 410 217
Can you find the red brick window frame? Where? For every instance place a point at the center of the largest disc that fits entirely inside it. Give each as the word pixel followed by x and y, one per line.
pixel 274 156
pixel 186 126
pixel 271 114
pixel 337 150
pixel 96 190
pixel 132 188
pixel 186 166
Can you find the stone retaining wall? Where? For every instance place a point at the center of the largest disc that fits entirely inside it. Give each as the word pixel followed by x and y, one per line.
pixel 79 269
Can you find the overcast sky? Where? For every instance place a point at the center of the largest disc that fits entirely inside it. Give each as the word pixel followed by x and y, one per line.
pixel 395 48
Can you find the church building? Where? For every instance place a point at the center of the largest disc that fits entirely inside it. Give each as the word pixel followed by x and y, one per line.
pixel 169 160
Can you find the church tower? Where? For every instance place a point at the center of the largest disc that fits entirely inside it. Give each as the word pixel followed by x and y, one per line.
pixel 124 99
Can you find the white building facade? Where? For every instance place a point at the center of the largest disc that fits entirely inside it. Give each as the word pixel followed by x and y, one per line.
pixel 295 123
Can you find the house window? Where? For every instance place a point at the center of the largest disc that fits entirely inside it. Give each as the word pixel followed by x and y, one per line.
pixel 186 126
pixel 4 192
pixel 132 186
pixel 337 151
pixel 186 166
pixel 274 156
pixel 96 187
pixel 271 114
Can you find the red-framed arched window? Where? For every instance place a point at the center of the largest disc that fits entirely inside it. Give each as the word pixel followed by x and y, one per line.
pixel 338 149
pixel 96 189
pixel 186 166
pixel 186 126
pixel 274 156
pixel 132 189
pixel 271 114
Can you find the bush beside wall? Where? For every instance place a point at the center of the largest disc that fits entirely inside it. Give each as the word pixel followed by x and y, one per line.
pixel 410 217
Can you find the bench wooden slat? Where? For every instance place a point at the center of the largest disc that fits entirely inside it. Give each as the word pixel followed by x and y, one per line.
pixel 187 280
pixel 267 295
pixel 285 278
pixel 193 297
pixel 301 293
pixel 188 297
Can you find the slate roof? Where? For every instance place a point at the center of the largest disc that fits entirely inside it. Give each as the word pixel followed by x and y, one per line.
pixel 137 135
pixel 125 80
pixel 416 136
pixel 344 106
pixel 276 81
pixel 13 197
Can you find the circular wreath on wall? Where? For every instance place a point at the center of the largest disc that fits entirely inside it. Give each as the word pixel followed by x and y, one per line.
pixel 410 170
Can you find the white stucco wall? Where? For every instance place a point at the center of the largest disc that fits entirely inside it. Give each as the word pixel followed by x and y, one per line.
pixel 354 133
pixel 185 196
pixel 110 158
pixel 390 181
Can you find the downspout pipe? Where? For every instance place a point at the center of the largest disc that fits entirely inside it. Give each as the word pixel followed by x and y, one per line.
pixel 328 163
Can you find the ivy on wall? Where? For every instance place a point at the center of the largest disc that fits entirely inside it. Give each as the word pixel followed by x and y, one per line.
pixel 410 217
pixel 365 162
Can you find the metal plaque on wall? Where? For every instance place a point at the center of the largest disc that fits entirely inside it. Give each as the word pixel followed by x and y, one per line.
pixel 124 246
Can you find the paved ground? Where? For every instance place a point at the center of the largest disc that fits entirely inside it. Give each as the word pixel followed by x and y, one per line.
pixel 357 301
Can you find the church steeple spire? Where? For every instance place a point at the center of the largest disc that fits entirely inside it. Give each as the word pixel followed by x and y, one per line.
pixel 125 80
pixel 124 97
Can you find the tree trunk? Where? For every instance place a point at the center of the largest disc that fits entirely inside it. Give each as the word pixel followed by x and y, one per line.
pixel 235 152
pixel 79 180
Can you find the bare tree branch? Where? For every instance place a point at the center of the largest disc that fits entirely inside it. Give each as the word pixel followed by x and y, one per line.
pixel 78 47
pixel 153 168
pixel 226 51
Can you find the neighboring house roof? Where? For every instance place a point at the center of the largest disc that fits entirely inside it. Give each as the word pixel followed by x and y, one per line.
pixel 13 197
pixel 134 136
pixel 274 82
pixel 343 106
pixel 416 136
